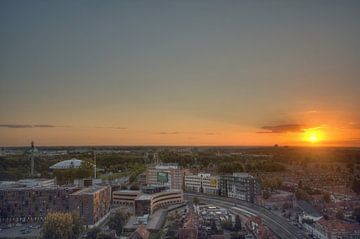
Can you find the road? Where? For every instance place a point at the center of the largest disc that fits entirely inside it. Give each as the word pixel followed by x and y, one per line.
pixel 281 227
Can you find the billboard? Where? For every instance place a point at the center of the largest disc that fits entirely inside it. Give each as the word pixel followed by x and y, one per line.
pixel 162 177
pixel 214 182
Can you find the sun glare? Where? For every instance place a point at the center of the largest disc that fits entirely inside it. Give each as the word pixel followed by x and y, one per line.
pixel 313 136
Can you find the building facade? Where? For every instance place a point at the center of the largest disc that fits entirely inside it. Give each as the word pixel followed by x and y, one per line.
pixel 170 175
pixel 148 203
pixel 202 183
pixel 92 203
pixel 242 186
pixel 125 197
pixel 29 204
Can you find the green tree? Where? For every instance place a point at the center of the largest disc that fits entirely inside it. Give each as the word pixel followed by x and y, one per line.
pixel 61 225
pixel 326 197
pixel 237 222
pixel 195 200
pixel 227 224
pixel 356 186
pixel 103 236
pixel 356 214
pixel 117 220
pixel 134 187
pixel 266 194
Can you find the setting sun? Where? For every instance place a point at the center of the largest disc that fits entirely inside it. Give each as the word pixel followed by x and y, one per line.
pixel 313 136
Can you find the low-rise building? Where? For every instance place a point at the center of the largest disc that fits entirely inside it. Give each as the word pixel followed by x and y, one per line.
pixel 309 212
pixel 148 203
pixel 202 183
pixel 333 229
pixel 125 197
pixel 31 200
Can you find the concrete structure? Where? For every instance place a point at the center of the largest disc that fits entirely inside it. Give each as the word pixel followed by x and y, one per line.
pixel 308 211
pixel 202 183
pixel 32 201
pixel 169 175
pixel 242 186
pixel 92 203
pixel 148 203
pixel 71 163
pixel 140 233
pixel 125 197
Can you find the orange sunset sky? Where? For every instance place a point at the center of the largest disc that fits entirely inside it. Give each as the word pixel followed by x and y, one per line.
pixel 180 73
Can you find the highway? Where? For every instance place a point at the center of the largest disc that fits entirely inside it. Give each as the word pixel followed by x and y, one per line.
pixel 281 227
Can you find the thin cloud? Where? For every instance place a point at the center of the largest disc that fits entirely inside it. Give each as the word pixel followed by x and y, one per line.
pixel 112 127
pixel 167 132
pixel 15 126
pixel 283 128
pixel 44 126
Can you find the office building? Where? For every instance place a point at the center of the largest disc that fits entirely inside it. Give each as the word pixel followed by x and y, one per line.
pixel 242 186
pixel 202 183
pixel 148 203
pixel 170 175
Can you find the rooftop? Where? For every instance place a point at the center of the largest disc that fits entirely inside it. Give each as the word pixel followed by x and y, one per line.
pixel 308 208
pixel 71 163
pixel 89 190
pixel 339 226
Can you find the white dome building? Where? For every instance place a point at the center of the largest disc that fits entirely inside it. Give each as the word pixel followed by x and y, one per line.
pixel 71 163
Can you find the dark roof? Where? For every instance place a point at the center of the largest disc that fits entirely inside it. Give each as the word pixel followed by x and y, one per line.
pixel 308 208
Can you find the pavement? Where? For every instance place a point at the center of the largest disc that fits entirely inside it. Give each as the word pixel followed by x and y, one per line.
pixel 279 225
pixel 22 231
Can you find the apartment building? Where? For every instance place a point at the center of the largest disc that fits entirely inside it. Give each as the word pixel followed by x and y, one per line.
pixel 242 186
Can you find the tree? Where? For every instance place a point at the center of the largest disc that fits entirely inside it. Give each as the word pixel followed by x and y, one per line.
pixel 301 194
pixel 196 200
pixel 123 187
pixel 266 194
pixel 356 186
pixel 93 232
pixel 103 236
pixel 227 224
pixel 134 187
pixel 61 225
pixel 237 222
pixel 118 220
pixel 339 215
pixel 327 198
pixel 356 214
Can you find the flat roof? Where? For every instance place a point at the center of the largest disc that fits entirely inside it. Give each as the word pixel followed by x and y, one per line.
pixel 150 196
pixel 89 190
pixel 128 191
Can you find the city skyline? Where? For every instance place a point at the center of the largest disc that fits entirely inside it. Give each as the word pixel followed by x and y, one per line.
pixel 179 73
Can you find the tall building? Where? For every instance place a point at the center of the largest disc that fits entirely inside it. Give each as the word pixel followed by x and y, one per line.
pixel 170 175
pixel 92 203
pixel 242 186
pixel 202 183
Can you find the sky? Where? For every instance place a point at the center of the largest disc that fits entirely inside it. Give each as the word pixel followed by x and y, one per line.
pixel 180 73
